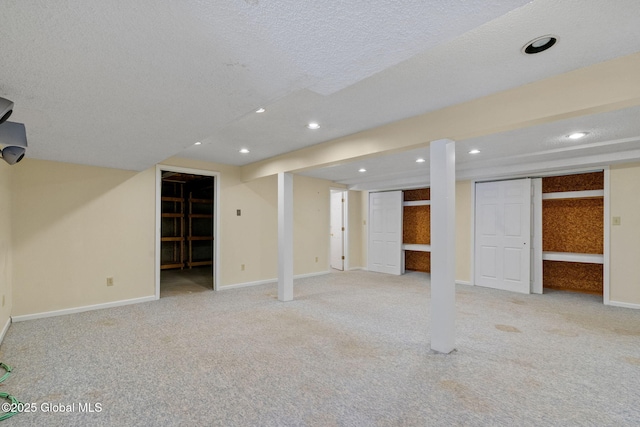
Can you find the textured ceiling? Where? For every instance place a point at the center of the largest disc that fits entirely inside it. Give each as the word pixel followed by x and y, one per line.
pixel 613 137
pixel 128 84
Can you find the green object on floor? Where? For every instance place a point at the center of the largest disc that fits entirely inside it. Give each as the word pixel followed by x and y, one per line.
pixel 6 368
pixel 14 404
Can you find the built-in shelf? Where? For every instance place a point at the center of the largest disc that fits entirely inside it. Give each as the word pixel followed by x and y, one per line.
pixel 417 203
pixel 173 199
pixel 200 238
pixel 573 257
pixel 416 247
pixel 172 239
pixel 590 194
pixel 172 215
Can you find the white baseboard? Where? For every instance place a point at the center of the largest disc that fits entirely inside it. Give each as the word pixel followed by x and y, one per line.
pixel 624 304
pixel 463 282
pixel 357 268
pixel 264 282
pixel 62 312
pixel 5 329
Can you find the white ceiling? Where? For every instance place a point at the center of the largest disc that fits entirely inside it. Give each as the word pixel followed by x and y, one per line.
pixel 613 137
pixel 128 84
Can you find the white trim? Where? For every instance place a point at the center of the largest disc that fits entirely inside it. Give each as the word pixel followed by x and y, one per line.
pixel 607 237
pixel 357 268
pixel 417 203
pixel 573 257
pixel 82 309
pixel 574 195
pixel 536 244
pixel 345 233
pixel 416 247
pixel 473 232
pixel 216 220
pixel 345 225
pixel 5 329
pixel 463 282
pixel 266 281
pixel 624 305
pixel 247 284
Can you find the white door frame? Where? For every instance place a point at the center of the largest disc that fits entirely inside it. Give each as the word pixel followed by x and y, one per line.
pixel 607 220
pixel 216 219
pixel 345 224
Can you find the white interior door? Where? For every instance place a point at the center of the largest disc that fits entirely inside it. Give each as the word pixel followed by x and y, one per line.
pixel 503 235
pixel 337 230
pixel 385 232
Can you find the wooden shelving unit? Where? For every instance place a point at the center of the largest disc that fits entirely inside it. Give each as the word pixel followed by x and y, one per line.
pixel 573 232
pixel 416 248
pixel 187 223
pixel 172 240
pixel 200 232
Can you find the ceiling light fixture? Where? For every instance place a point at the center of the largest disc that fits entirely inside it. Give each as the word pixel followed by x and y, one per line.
pixel 578 135
pixel 244 151
pixel 474 151
pixel 198 143
pixel 420 160
pixel 362 170
pixel 539 44
pixel 313 126
pixel 260 110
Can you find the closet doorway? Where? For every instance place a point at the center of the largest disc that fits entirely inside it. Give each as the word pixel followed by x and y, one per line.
pixel 186 216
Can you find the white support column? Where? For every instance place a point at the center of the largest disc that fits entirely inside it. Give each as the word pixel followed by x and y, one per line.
pixel 285 236
pixel 443 235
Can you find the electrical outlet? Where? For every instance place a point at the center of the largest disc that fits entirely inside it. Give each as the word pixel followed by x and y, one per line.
pixel 241 267
pixel 316 259
pixel 616 220
pixel 109 281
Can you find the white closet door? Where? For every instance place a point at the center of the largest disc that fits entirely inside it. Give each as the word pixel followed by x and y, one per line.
pixel 336 227
pixel 503 235
pixel 385 232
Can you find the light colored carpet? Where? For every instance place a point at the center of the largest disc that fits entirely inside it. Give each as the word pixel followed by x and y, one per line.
pixel 351 350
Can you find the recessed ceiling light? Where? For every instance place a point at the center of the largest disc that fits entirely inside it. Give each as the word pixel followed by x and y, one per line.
pixel 313 126
pixel 260 110
pixel 474 151
pixel 539 44
pixel 578 135
pixel 420 160
pixel 362 170
pixel 244 151
pixel 198 143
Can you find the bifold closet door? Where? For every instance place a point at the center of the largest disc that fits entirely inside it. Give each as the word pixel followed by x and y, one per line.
pixel 503 235
pixel 385 232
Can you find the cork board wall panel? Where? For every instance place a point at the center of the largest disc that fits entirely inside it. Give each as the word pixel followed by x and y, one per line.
pixel 573 225
pixel 417 261
pixel 573 276
pixel 417 194
pixel 416 225
pixel 577 182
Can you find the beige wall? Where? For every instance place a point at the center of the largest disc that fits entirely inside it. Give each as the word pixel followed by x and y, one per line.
pixel 463 231
pixel 6 174
pixel 252 238
pixel 74 226
pixel 311 214
pixel 355 229
pixel 625 238
pixel 69 227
